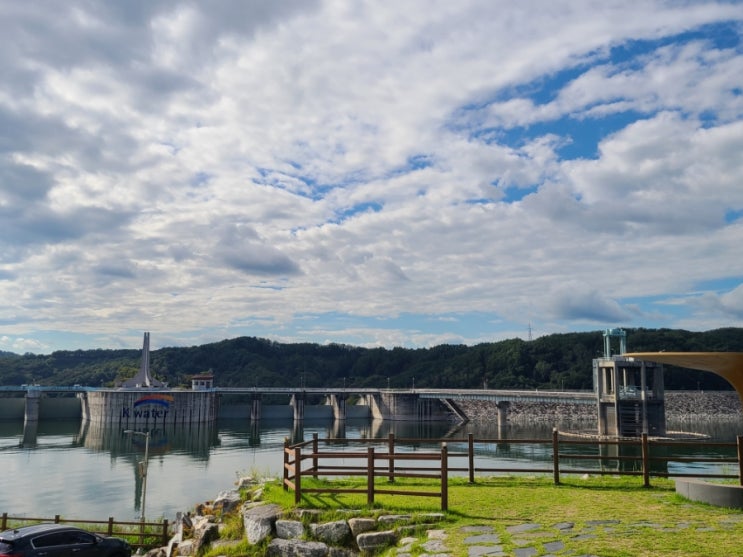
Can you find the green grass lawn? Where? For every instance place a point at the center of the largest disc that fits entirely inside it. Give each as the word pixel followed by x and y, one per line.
pixel 646 521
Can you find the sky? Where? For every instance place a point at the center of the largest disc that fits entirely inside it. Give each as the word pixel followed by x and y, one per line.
pixel 367 173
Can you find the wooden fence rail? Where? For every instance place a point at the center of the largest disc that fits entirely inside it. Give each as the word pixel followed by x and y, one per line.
pixel 643 463
pixel 158 534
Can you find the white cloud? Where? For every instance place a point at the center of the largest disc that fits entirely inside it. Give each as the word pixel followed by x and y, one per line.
pixel 231 169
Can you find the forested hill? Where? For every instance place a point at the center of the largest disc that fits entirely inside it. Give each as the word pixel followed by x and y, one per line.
pixel 560 361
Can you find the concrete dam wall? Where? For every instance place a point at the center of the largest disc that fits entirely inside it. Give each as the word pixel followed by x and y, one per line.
pixel 148 408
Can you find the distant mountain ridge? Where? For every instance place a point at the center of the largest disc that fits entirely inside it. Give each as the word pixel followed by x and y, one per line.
pixel 558 361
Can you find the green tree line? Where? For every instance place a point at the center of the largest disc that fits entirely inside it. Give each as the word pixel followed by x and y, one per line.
pixel 559 361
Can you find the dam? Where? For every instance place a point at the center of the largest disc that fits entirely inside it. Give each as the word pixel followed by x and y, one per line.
pixel 628 395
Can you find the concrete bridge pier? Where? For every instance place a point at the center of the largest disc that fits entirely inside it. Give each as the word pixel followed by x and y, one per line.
pixel 255 407
pixel 297 403
pixel 84 406
pixel 394 406
pixel 30 432
pixel 407 406
pixel 33 402
pixel 338 402
pixel 503 413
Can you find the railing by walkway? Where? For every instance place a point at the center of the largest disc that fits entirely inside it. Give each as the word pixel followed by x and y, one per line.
pixel 644 463
pixel 148 534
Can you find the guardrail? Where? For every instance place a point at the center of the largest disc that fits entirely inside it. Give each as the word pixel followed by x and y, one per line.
pixel 326 463
pixel 158 534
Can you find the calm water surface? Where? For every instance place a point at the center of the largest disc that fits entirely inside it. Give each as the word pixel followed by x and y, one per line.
pixel 70 469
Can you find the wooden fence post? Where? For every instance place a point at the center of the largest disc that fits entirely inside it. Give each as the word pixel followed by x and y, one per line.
pixel 645 461
pixel 556 455
pixel 444 477
pixel 56 519
pixel 164 538
pixel 391 461
pixel 471 456
pixel 5 523
pixel 314 454
pixel 110 530
pixel 297 475
pixel 740 459
pixel 370 477
pixel 286 463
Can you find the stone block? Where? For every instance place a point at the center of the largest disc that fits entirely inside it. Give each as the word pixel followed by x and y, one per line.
pixel 296 548
pixel 259 522
pixel 332 533
pixel 289 529
pixel 361 525
pixel 372 541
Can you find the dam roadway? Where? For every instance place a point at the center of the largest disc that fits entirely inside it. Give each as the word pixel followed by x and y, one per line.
pixel 492 395
pixel 129 405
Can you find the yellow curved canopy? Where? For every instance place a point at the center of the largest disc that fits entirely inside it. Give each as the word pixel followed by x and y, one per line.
pixel 725 364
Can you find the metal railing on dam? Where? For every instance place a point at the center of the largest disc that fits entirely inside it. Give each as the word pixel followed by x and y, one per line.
pixel 493 395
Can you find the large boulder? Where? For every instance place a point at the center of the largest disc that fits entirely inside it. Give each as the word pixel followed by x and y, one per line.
pixel 226 501
pixel 289 529
pixel 204 533
pixel 296 548
pixel 360 525
pixel 259 521
pixel 373 541
pixel 332 533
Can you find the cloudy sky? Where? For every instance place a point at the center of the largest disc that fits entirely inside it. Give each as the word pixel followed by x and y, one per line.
pixel 404 173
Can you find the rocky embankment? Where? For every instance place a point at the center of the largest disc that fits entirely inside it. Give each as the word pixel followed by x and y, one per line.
pixel 299 533
pixel 680 406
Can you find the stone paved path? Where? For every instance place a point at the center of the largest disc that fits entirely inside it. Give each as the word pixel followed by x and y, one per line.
pixel 529 539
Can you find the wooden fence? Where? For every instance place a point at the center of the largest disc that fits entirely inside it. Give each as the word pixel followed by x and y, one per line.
pixel 293 472
pixel 645 462
pixel 149 533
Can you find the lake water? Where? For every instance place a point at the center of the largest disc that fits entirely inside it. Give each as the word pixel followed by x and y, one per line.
pixel 76 471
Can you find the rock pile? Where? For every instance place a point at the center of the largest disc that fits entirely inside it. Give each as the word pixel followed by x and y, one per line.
pixel 298 534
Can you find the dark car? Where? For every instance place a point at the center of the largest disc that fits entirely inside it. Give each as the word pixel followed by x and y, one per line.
pixel 56 540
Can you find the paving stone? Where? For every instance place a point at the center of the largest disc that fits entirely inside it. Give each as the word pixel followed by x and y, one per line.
pixel 477 528
pixel 584 537
pixel 434 546
pixel 525 552
pixel 522 528
pixel 564 526
pixel 485 550
pixel 436 534
pixel 554 546
pixel 482 538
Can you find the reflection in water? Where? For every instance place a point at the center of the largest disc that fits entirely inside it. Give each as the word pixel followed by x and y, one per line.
pixel 193 439
pixel 83 470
